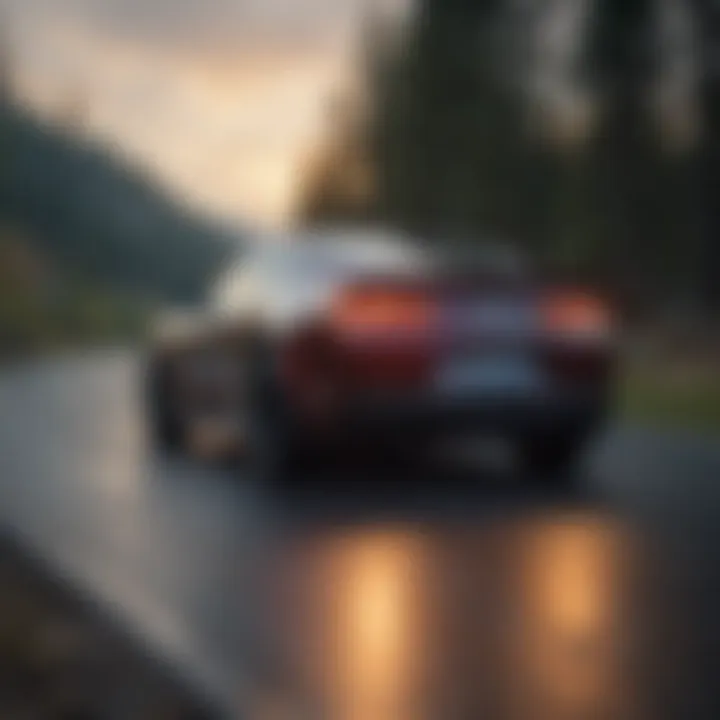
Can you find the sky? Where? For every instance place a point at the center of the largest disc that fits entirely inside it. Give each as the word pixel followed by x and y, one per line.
pixel 223 100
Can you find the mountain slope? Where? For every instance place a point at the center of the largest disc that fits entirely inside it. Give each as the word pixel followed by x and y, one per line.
pixel 94 215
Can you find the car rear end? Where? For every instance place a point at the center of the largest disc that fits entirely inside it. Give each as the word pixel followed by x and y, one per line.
pixel 450 351
pixel 439 353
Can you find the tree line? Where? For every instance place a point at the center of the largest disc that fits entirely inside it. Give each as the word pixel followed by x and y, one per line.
pixel 590 139
pixel 89 244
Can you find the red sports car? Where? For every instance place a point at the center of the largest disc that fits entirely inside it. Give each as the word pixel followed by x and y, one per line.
pixel 350 341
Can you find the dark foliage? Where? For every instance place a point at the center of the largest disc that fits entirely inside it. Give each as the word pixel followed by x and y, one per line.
pixel 458 149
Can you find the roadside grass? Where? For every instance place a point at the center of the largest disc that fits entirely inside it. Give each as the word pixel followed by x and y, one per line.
pixel 672 394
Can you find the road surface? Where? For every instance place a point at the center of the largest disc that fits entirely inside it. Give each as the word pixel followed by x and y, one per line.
pixel 458 592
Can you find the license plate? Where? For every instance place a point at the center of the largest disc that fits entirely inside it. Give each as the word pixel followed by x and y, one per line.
pixel 488 375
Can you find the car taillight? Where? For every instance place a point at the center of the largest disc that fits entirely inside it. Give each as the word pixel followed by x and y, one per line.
pixel 577 315
pixel 361 311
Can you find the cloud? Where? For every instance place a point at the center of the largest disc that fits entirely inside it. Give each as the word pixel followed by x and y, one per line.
pixel 221 21
pixel 221 99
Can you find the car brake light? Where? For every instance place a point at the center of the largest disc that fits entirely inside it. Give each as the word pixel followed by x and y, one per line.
pixel 361 310
pixel 578 315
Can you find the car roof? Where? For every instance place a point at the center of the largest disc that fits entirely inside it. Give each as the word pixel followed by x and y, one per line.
pixel 330 251
pixel 341 251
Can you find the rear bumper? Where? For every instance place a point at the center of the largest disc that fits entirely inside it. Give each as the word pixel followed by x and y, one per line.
pixel 427 415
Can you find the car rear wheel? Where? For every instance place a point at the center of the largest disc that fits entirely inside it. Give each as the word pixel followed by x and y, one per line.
pixel 166 429
pixel 278 455
pixel 275 453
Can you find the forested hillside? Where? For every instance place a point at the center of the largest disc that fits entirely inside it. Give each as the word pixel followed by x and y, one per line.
pixel 589 137
pixel 88 243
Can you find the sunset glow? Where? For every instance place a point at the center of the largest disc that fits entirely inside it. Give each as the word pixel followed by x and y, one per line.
pixel 223 111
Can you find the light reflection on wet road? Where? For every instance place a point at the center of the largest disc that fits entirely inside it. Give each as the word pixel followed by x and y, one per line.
pixel 436 598
pixel 528 617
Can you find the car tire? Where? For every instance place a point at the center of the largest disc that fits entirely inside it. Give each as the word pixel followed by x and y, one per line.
pixel 552 460
pixel 166 430
pixel 274 454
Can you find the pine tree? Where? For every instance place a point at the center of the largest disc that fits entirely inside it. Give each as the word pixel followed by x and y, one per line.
pixel 708 268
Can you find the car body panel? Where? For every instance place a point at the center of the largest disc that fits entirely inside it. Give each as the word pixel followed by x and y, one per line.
pixel 480 362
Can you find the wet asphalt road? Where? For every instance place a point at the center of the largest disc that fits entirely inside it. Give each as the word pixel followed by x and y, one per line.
pixel 455 590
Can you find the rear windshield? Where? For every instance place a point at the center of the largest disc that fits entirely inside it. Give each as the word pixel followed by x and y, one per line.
pixel 331 258
pixel 327 258
pixel 360 256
